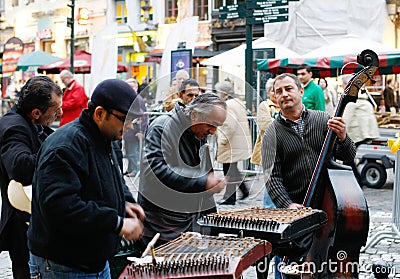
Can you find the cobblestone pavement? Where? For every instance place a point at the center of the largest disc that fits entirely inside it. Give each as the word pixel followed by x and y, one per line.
pixel 380 203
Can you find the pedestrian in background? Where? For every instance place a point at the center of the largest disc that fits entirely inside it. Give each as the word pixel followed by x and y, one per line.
pixel 173 94
pixel 133 133
pixel 313 97
pixel 74 99
pixel 388 96
pixel 81 206
pixel 267 111
pixel 233 142
pixel 328 95
pixel 22 131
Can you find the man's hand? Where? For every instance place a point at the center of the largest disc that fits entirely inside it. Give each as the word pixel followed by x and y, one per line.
pixel 134 210
pixel 295 206
pixel 132 228
pixel 338 126
pixel 215 184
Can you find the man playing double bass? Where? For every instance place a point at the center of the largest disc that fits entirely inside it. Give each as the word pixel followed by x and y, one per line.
pixel 292 144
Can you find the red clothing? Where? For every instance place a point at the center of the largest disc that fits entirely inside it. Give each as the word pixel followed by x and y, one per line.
pixel 73 102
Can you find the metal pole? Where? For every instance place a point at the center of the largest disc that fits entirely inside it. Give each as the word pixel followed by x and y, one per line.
pixel 72 24
pixel 249 63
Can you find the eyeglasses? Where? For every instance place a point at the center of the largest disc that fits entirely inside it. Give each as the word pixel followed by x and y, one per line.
pixel 119 117
pixel 191 95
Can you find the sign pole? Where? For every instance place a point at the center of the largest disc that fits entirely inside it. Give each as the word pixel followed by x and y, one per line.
pixel 249 63
pixel 71 23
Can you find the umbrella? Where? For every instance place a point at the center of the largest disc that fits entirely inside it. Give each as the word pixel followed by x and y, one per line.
pixel 327 61
pixel 235 56
pixel 31 61
pixel 82 64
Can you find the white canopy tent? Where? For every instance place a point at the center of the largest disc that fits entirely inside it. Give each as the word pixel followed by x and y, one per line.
pixel 350 45
pixel 236 56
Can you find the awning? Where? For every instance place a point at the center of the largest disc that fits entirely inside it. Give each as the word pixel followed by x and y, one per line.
pixel 31 61
pixel 330 66
pixel 82 64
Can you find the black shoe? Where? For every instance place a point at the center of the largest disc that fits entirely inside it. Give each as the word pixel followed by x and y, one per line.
pixel 245 195
pixel 244 190
pixel 228 202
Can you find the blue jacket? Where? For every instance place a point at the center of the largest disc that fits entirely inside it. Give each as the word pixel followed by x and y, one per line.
pixel 78 197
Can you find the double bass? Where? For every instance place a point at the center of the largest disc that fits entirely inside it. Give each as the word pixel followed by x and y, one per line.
pixel 335 248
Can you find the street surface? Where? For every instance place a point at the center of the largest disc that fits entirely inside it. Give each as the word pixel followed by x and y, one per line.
pixel 380 203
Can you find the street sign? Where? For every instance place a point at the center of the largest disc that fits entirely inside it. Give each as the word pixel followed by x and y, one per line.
pixel 232 8
pixel 270 11
pixel 267 19
pixel 231 11
pixel 266 4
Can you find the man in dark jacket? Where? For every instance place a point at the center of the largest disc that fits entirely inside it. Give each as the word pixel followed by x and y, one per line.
pixel 22 130
pixel 177 182
pixel 81 206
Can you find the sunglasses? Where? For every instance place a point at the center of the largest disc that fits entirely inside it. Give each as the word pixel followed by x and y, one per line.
pixel 121 118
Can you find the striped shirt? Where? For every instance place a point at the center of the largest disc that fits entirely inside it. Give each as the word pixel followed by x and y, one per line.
pixel 289 159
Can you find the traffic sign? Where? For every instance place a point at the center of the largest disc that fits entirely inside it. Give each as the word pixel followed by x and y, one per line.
pixel 232 15
pixel 267 19
pixel 270 11
pixel 266 4
pixel 232 8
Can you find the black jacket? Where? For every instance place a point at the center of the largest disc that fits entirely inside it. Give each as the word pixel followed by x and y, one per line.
pixel 173 178
pixel 19 143
pixel 78 195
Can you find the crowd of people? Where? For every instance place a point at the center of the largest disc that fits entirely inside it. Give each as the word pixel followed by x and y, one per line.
pixel 81 206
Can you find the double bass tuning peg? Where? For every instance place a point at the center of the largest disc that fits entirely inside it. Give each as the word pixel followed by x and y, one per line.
pixel 368 58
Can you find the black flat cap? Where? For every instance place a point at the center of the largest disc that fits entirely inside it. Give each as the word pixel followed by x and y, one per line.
pixel 117 94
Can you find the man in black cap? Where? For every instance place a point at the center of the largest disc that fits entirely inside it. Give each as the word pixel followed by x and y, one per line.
pixel 81 206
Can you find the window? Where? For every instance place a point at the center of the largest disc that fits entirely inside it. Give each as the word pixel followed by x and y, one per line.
pixel 121 12
pixel 200 9
pixel 171 11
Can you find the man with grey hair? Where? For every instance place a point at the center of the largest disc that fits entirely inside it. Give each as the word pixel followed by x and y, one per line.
pixel 180 76
pixel 74 98
pixel 177 182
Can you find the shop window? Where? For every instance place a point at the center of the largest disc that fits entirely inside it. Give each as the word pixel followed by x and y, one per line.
pixel 47 46
pixel 171 11
pixel 200 9
pixel 121 13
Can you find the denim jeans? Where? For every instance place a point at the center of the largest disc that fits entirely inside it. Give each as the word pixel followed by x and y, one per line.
pixel 132 153
pixel 41 268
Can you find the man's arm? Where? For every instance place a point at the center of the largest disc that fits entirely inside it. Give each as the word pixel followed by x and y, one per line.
pixel 16 154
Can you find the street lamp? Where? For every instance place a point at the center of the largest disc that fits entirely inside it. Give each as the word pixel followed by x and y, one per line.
pixel 71 23
pixel 393 9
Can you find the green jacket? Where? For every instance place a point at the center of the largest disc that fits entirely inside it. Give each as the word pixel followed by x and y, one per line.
pixel 313 97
